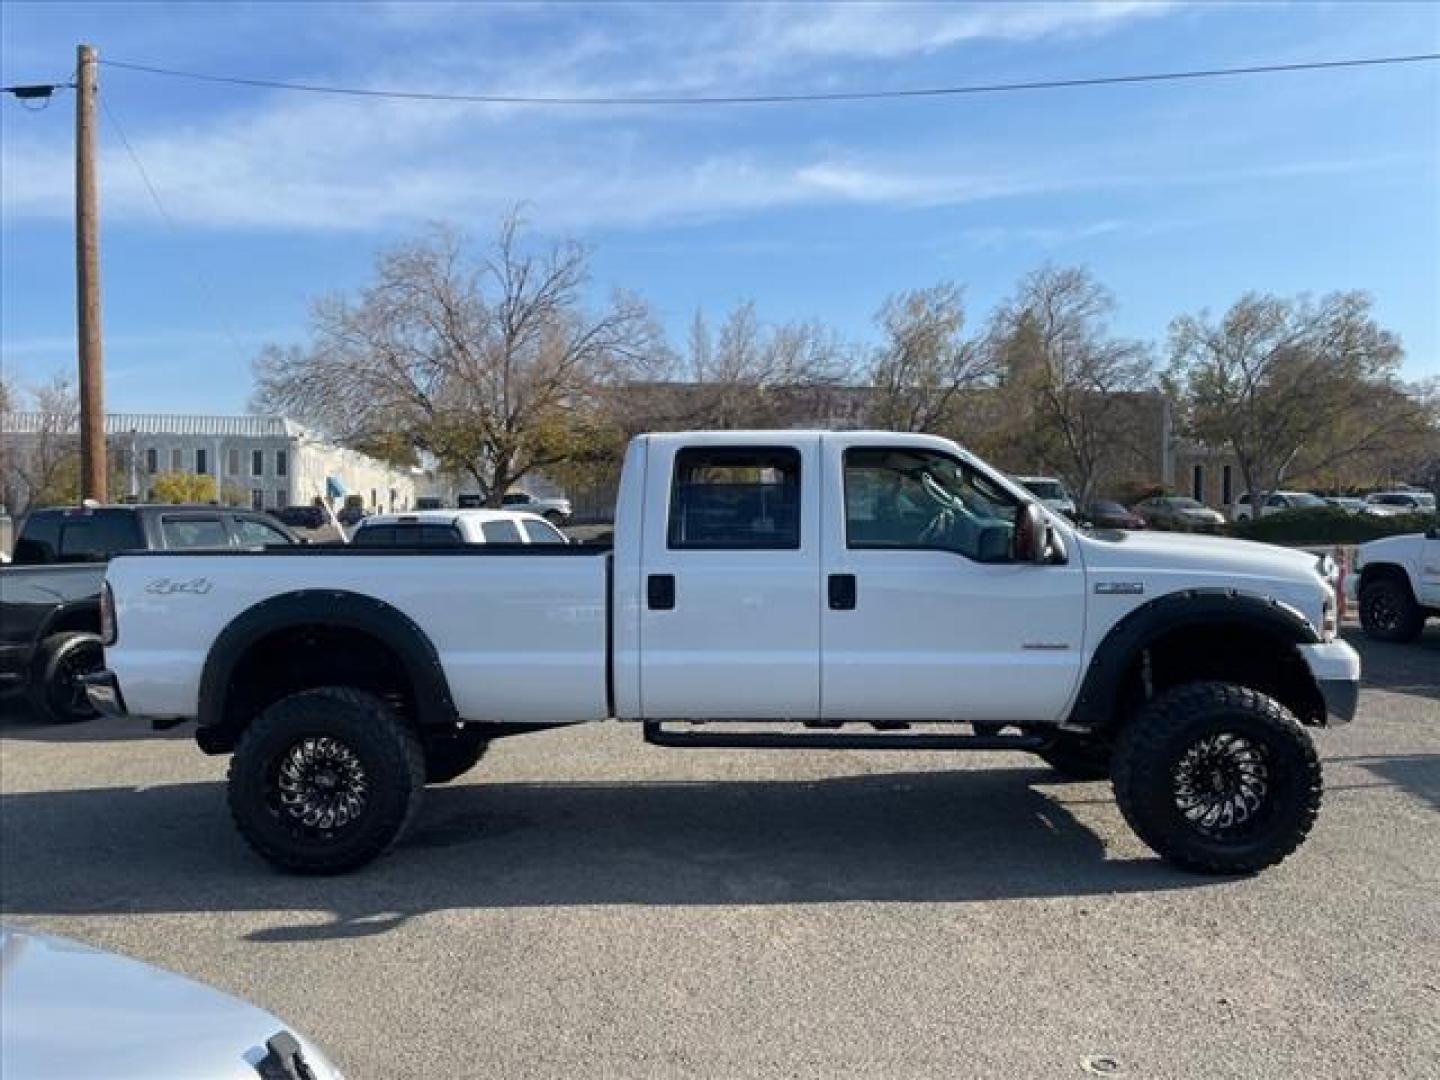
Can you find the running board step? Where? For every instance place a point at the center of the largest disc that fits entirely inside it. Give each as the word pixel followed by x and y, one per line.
pixel 657 735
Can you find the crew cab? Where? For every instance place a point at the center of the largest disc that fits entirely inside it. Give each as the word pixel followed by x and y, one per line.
pixel 780 589
pixel 50 595
pixel 1396 583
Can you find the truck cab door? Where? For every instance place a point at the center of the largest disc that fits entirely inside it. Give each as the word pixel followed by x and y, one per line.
pixel 729 587
pixel 927 615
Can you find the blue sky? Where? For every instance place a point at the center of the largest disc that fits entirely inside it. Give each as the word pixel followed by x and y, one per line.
pixel 1179 196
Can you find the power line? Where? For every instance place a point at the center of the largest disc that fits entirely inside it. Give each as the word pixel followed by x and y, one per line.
pixel 783 99
pixel 199 277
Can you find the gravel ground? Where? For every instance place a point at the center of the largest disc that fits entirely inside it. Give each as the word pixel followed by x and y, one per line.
pixel 584 905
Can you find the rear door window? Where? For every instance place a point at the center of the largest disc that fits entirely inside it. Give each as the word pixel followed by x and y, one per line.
pixel 500 532
pixel 193 532
pixel 95 537
pixel 735 498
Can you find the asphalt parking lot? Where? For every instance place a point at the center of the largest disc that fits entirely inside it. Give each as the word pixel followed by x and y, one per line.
pixel 583 905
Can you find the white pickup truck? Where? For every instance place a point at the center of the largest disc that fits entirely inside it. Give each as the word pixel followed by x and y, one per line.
pixel 1396 582
pixel 851 590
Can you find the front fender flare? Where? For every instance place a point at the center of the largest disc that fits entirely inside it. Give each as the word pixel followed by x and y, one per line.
pixel 1096 705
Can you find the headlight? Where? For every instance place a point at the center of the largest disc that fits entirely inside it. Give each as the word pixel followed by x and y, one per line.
pixel 1327 568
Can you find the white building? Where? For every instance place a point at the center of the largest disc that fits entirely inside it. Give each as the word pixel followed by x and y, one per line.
pixel 272 460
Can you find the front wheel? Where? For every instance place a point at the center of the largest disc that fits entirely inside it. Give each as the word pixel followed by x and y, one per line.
pixel 325 780
pixel 1388 612
pixel 1217 778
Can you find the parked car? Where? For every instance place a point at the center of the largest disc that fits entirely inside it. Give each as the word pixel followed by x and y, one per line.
pixel 1052 492
pixel 1349 503
pixel 1396 503
pixel 555 511
pixel 1111 515
pixel 302 517
pixel 50 594
pixel 1277 502
pixel 352 515
pixel 1179 513
pixel 448 528
pixel 789 581
pixel 74 1011
pixel 1395 583
pixel 429 502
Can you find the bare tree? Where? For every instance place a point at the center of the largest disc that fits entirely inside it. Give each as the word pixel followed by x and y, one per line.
pixel 47 466
pixel 1285 381
pixel 492 364
pixel 925 361
pixel 1054 341
pixel 751 374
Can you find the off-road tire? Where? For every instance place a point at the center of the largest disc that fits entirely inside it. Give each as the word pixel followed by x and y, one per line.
pixel 388 754
pixel 1078 759
pixel 447 758
pixel 1150 750
pixel 1388 612
pixel 53 689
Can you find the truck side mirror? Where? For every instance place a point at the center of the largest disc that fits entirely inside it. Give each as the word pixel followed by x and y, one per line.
pixel 1030 530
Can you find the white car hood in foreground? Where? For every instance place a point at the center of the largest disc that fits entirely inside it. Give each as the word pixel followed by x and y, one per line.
pixel 71 1012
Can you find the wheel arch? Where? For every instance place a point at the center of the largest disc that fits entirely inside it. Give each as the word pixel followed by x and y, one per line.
pixel 82 616
pixel 338 615
pixel 1117 671
pixel 1386 571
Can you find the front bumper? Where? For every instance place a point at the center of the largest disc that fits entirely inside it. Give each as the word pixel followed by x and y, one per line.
pixel 103 691
pixel 1335 666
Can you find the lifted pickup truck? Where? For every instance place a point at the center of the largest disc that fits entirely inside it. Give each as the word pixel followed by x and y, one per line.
pixel 1396 581
pixel 849 590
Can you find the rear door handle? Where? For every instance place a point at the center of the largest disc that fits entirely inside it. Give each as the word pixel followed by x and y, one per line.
pixel 842 592
pixel 660 592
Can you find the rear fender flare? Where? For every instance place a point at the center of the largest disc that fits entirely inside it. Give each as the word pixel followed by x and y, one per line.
pixel 331 608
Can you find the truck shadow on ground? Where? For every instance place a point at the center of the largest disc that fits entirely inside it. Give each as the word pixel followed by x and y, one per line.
pixel 913 837
pixel 1412 668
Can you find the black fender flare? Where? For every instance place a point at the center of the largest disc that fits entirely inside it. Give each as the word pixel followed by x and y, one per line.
pixel 1096 704
pixel 335 608
pixel 88 606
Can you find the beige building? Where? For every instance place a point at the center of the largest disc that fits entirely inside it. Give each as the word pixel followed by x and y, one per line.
pixel 267 462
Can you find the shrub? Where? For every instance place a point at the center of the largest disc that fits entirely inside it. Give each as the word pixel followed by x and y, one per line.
pixel 183 488
pixel 1329 526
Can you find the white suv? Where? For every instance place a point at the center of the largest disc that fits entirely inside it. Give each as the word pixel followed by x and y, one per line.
pixel 448 528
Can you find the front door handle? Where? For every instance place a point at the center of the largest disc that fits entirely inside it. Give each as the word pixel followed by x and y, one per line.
pixel 842 592
pixel 660 592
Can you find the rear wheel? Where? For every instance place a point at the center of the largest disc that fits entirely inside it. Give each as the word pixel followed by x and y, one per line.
pixel 1388 612
pixel 325 780
pixel 1217 778
pixel 447 758
pixel 54 688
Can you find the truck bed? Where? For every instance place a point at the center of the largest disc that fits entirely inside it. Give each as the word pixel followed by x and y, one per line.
pixel 521 631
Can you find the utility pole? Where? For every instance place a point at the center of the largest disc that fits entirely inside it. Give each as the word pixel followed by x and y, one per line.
pixel 87 281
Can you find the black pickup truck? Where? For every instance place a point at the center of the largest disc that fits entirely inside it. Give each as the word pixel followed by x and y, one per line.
pixel 50 593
